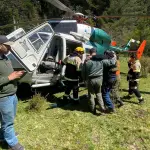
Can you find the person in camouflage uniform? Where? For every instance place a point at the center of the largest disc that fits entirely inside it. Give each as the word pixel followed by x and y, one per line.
pixel 115 95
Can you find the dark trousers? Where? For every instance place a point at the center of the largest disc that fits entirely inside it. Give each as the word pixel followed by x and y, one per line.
pixel 133 88
pixel 72 85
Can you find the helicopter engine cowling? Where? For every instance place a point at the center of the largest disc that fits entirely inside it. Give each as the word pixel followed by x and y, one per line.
pixel 95 37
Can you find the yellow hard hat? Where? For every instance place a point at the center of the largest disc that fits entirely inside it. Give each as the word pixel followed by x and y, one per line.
pixel 79 49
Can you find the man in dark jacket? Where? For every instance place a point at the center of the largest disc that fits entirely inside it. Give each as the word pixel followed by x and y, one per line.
pixel 72 74
pixel 92 72
pixel 8 99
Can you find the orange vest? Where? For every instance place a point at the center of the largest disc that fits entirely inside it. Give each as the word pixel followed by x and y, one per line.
pixel 118 66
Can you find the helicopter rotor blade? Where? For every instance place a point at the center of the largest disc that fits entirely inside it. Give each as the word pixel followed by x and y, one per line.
pixel 60 5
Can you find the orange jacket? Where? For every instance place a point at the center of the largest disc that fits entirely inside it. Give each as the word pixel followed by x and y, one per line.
pixel 118 66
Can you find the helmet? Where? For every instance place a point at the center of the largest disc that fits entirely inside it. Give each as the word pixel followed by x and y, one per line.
pixel 79 49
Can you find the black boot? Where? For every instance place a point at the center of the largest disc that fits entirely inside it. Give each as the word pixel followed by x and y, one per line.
pixel 66 100
pixel 141 101
pixel 110 110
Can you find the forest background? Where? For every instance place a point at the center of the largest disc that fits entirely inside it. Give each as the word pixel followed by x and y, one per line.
pixel 133 23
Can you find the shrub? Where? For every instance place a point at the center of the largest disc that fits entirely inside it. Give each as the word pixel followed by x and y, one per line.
pixel 145 63
pixel 36 103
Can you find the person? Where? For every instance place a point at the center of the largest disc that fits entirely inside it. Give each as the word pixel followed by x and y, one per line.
pixel 72 73
pixel 133 77
pixel 109 79
pixel 115 87
pixel 8 98
pixel 92 73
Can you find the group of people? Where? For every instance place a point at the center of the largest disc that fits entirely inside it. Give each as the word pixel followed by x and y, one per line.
pixel 101 74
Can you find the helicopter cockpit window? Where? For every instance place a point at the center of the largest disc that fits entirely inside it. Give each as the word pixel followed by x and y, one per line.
pixel 46 29
pixel 40 37
pixel 71 45
pixel 44 37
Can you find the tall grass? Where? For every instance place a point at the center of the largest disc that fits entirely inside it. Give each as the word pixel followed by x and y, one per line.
pixel 145 63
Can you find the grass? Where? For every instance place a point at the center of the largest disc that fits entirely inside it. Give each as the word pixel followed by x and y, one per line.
pixel 74 128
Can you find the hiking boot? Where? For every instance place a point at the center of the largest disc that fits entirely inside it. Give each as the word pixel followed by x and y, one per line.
pixel 141 101
pixel 16 147
pixel 127 97
pixel 110 110
pixel 65 100
pixel 120 104
pixel 93 111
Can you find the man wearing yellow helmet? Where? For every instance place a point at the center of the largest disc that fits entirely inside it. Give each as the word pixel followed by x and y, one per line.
pixel 72 73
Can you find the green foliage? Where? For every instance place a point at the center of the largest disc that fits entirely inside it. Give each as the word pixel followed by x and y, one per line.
pixel 36 104
pixel 145 63
pixel 29 13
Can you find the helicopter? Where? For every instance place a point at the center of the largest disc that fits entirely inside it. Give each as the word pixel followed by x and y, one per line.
pixel 40 51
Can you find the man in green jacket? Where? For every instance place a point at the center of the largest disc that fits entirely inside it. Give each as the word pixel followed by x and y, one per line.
pixel 92 73
pixel 8 99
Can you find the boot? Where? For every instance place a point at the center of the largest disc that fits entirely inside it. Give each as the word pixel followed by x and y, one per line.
pixel 76 101
pixel 66 99
pixel 110 110
pixel 120 103
pixel 16 147
pixel 141 100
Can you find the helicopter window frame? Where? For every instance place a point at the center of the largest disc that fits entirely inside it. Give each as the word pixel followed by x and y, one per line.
pixel 37 42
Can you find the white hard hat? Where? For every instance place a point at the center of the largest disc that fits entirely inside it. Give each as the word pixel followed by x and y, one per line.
pixel 79 14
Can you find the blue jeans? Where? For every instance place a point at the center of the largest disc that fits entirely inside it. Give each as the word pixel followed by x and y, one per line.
pixel 7 115
pixel 106 88
pixel 106 97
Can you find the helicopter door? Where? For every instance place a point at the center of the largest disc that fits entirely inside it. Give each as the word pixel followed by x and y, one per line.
pixel 31 48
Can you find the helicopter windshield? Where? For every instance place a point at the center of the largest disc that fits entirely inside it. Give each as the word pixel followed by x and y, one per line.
pixel 40 37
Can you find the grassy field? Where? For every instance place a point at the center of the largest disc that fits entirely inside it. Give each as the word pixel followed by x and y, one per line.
pixel 74 128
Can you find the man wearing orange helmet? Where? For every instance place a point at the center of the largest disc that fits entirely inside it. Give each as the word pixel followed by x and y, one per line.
pixel 72 73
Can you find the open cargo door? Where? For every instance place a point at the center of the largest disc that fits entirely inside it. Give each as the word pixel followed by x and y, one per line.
pixel 31 48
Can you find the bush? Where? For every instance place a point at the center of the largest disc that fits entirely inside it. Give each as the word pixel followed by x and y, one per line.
pixel 36 103
pixel 145 63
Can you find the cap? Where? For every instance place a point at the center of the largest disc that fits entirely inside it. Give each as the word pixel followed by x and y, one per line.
pixel 4 40
pixel 79 49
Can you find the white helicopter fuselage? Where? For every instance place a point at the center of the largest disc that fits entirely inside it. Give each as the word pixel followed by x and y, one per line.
pixel 30 52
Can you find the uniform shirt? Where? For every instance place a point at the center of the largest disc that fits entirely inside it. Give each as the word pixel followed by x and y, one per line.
pixel 136 66
pixel 73 67
pixel 134 71
pixel 6 87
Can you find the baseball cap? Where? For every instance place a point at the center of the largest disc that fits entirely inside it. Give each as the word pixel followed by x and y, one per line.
pixel 4 40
